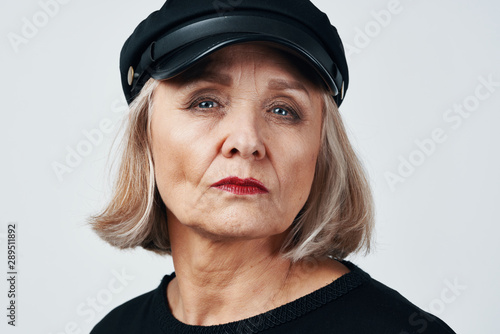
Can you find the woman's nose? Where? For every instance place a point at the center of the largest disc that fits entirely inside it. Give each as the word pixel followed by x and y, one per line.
pixel 243 136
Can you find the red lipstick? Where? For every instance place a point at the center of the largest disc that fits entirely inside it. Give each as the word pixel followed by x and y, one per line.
pixel 237 186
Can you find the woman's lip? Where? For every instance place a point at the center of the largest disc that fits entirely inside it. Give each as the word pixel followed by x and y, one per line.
pixel 239 186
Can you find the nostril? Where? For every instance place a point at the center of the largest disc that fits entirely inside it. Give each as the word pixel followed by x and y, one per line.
pixel 243 144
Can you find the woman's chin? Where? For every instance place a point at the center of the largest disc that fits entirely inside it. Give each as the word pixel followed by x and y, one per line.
pixel 237 229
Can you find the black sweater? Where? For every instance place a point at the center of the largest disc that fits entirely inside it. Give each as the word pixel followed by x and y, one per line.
pixel 353 304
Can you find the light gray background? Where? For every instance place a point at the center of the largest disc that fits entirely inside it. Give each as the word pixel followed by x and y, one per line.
pixel 437 228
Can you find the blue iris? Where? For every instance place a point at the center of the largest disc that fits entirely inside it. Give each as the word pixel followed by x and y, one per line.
pixel 206 104
pixel 280 111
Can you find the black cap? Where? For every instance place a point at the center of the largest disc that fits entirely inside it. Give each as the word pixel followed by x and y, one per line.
pixel 183 31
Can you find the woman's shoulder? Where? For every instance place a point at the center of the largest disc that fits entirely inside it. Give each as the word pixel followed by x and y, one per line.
pixel 134 316
pixel 373 305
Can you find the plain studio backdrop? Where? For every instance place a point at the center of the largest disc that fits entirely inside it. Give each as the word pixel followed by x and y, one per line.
pixel 422 110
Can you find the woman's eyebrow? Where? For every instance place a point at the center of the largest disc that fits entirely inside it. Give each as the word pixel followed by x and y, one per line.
pixel 193 77
pixel 280 84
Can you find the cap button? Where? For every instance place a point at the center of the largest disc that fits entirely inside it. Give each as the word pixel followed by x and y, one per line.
pixel 130 76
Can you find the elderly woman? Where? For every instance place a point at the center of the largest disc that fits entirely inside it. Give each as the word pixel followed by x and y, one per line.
pixel 237 164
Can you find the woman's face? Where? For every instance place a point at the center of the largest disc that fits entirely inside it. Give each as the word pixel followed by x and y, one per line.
pixel 245 113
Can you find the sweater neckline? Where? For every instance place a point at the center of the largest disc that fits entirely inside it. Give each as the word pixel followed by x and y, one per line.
pixel 282 314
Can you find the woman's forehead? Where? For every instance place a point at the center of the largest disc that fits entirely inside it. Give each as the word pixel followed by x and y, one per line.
pixel 220 65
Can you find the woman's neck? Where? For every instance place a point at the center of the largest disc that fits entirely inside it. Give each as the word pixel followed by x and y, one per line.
pixel 223 281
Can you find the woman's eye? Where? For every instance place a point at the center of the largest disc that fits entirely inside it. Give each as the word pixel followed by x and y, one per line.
pixel 281 111
pixel 285 113
pixel 207 104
